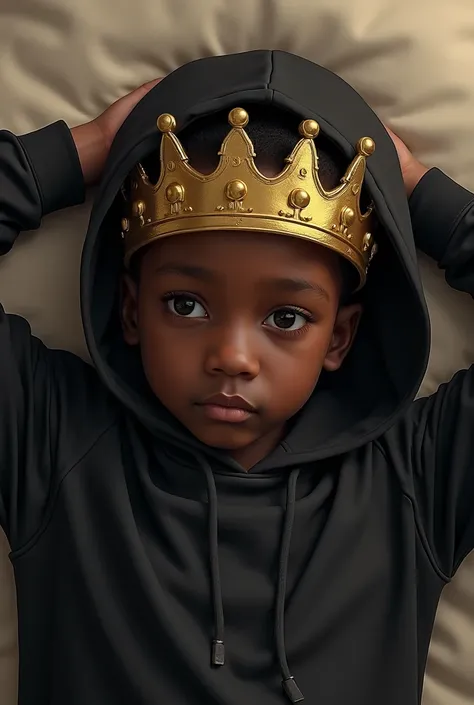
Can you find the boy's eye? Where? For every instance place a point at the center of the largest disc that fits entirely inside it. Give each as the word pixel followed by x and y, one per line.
pixel 186 306
pixel 286 319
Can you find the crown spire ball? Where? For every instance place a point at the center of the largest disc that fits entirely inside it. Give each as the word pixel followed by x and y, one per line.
pixel 236 196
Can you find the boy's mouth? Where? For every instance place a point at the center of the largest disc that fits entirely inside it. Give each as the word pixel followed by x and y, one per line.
pixel 230 409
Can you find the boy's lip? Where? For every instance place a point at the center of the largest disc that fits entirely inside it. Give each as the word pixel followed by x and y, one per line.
pixel 226 408
pixel 234 401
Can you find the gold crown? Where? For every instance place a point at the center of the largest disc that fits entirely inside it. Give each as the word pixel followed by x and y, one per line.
pixel 236 196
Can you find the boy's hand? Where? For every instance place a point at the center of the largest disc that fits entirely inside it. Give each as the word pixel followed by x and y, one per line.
pixel 412 169
pixel 93 139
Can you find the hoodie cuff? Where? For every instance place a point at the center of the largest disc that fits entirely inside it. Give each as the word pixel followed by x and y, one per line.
pixel 436 205
pixel 55 163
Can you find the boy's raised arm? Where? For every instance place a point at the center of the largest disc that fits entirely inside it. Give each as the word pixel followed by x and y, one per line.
pixel 45 395
pixel 39 173
pixel 434 445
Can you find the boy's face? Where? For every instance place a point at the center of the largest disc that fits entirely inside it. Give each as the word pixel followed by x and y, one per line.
pixel 242 319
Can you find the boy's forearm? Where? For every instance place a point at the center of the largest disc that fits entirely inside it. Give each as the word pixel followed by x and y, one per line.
pixel 39 173
pixel 91 149
pixel 442 214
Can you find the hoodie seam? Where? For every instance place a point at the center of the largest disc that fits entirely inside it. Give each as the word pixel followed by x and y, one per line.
pixel 459 217
pixel 30 544
pixel 272 68
pixel 34 174
pixel 429 553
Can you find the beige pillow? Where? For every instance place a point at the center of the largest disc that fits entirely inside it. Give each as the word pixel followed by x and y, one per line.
pixel 411 60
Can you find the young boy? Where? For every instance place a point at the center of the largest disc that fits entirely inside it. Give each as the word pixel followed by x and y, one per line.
pixel 242 494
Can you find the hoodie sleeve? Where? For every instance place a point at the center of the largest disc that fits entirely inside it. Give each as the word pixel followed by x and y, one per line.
pixel 436 439
pixel 39 173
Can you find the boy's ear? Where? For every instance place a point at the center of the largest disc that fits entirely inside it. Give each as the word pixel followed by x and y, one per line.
pixel 129 310
pixel 344 332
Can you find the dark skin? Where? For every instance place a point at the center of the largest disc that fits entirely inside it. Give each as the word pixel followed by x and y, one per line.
pixel 254 315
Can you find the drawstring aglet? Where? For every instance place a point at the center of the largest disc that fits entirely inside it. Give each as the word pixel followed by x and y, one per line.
pixel 292 691
pixel 218 653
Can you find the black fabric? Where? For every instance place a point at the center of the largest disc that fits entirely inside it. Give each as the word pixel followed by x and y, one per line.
pixel 150 569
pixel 456 222
pixel 59 180
pixel 33 184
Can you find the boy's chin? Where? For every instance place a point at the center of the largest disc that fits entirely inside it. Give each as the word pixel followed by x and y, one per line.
pixel 226 437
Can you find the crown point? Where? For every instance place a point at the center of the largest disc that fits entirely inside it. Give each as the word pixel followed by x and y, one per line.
pixel 166 123
pixel 238 117
pixel 366 146
pixel 309 129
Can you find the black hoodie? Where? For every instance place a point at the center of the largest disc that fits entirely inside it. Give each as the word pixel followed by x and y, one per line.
pixel 137 550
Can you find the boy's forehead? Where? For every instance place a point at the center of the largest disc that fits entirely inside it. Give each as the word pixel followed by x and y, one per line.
pixel 256 252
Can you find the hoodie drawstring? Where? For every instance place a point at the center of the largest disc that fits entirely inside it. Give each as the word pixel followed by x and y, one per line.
pixel 289 685
pixel 218 647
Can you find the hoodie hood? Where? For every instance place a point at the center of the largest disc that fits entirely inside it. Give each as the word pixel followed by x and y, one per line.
pixel 383 372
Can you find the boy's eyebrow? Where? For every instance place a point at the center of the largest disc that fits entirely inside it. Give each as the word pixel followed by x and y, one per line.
pixel 296 284
pixel 289 284
pixel 187 270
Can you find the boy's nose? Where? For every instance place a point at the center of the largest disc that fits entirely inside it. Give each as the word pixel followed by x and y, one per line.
pixel 233 355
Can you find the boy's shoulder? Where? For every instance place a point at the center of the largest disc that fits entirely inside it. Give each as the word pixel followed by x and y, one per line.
pixel 83 409
pixel 63 395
